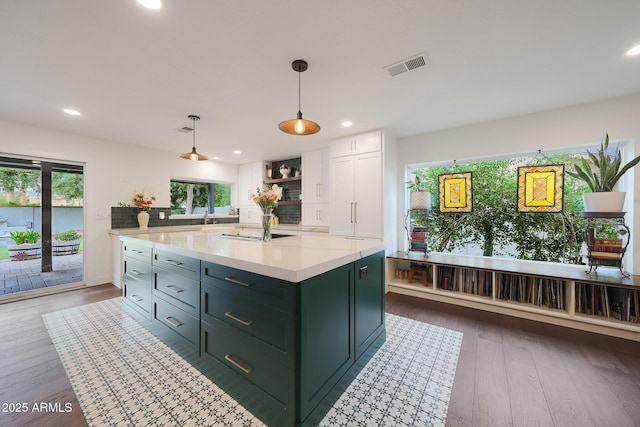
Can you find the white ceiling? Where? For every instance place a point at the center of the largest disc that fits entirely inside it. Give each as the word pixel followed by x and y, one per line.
pixel 136 74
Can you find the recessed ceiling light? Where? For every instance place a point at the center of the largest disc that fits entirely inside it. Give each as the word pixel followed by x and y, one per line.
pixel 347 123
pixel 72 112
pixel 216 158
pixel 237 152
pixel 634 51
pixel 151 4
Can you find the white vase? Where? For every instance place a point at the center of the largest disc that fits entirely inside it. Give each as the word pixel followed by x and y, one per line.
pixel 143 220
pixel 420 200
pixel 611 201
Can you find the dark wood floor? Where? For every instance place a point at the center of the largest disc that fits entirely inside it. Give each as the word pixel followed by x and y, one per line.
pixel 511 372
pixel 516 372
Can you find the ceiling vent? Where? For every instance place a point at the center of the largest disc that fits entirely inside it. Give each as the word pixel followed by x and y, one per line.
pixel 412 63
pixel 185 129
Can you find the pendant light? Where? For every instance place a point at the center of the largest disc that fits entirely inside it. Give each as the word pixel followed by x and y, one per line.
pixel 193 155
pixel 299 126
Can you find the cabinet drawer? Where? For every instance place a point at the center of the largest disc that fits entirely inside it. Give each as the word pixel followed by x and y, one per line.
pixel 180 291
pixel 137 270
pixel 141 252
pixel 271 292
pixel 137 293
pixel 178 264
pixel 243 312
pixel 176 320
pixel 251 359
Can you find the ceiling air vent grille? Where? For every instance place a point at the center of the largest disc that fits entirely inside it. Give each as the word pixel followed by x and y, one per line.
pixel 185 129
pixel 416 61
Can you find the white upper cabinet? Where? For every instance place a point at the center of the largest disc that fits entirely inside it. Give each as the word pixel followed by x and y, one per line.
pixel 250 177
pixel 357 144
pixel 315 178
pixel 356 188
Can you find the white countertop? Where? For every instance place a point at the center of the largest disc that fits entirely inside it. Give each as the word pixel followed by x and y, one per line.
pixel 295 258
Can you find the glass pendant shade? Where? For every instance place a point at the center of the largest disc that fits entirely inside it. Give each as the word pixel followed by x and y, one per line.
pixel 193 155
pixel 299 126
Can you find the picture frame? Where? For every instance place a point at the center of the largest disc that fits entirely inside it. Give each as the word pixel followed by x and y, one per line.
pixel 455 192
pixel 541 188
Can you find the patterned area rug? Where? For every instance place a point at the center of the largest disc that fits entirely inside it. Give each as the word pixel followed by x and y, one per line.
pixel 122 375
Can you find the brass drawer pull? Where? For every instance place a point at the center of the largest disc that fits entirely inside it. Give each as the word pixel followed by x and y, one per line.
pixel 237 282
pixel 237 319
pixel 174 289
pixel 170 320
pixel 173 262
pixel 136 298
pixel 238 365
pixel 136 272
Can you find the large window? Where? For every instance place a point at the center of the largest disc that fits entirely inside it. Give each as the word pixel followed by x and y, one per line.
pixel 198 198
pixel 495 227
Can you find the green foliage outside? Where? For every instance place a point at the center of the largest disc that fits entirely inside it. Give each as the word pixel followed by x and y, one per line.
pixel 66 236
pixel 495 223
pixel 16 183
pixel 69 185
pixel 187 196
pixel 29 236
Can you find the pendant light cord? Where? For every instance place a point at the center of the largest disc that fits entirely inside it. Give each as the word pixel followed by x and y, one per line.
pixel 299 109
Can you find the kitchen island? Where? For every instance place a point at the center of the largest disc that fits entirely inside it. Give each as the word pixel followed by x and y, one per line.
pixel 279 325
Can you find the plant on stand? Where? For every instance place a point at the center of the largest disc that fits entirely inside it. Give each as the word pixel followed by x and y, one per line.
pixel 267 200
pixel 144 205
pixel 601 171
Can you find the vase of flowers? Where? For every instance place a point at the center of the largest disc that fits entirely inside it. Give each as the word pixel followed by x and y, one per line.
pixel 144 206
pixel 267 200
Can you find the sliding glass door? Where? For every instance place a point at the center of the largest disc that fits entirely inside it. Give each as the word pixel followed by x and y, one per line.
pixel 41 225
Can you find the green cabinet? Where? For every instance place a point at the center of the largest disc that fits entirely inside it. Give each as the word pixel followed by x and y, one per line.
pixel 136 280
pixel 279 348
pixel 176 302
pixel 369 301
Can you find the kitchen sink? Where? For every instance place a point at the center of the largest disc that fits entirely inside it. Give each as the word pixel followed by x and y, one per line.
pixel 254 236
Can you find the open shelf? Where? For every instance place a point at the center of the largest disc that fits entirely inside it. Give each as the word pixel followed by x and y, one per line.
pixel 289 202
pixel 278 180
pixel 606 302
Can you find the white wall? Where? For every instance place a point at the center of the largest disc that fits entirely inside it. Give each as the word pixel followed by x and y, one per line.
pixel 113 173
pixel 548 130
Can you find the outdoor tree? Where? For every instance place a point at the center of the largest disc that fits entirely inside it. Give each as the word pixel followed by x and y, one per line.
pixel 69 185
pixel 14 180
pixel 495 224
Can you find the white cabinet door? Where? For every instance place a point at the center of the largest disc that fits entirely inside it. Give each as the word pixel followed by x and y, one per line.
pixel 315 214
pixel 315 173
pixel 368 143
pixel 250 177
pixel 342 190
pixel 357 144
pixel 249 214
pixel 368 195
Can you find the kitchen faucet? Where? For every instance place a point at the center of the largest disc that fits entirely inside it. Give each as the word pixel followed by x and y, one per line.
pixel 206 214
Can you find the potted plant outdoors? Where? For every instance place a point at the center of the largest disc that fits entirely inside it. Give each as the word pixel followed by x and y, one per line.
pixel 601 171
pixel 65 243
pixel 26 245
pixel 419 197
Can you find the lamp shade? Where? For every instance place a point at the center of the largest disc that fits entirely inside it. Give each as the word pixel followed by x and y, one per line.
pixel 299 126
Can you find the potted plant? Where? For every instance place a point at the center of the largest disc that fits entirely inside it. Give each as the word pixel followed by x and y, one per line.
pixel 601 171
pixel 26 245
pixel 65 243
pixel 419 197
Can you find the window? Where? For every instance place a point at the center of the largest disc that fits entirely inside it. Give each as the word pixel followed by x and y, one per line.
pixel 198 198
pixel 495 227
